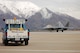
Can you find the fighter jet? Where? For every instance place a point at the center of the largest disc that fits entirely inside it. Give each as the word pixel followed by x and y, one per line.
pixel 59 27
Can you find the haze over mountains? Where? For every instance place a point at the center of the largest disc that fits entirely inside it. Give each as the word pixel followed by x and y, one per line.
pixel 37 17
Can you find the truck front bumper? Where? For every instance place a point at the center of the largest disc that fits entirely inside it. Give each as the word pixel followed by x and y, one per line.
pixel 17 39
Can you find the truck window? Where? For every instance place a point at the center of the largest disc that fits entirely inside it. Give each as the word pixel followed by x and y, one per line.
pixel 24 27
pixel 6 27
pixel 14 25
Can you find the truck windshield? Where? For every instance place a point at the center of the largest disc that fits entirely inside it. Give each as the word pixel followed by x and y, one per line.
pixel 14 25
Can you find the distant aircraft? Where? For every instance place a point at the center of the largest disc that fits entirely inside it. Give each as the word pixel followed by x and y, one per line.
pixel 58 27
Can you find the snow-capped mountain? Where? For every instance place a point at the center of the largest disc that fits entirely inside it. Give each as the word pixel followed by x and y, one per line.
pixel 46 17
pixel 44 12
pixel 19 8
pixel 1 8
pixel 37 17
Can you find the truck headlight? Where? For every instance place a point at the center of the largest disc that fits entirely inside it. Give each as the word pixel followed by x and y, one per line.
pixel 22 39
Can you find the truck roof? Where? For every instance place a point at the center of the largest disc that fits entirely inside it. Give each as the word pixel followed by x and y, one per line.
pixel 15 21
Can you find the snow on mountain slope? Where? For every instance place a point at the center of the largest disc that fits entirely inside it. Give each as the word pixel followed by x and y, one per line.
pixel 45 13
pixel 20 8
pixel 3 10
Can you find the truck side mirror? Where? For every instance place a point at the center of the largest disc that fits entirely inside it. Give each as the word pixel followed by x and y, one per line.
pixel 3 19
pixel 28 30
pixel 25 19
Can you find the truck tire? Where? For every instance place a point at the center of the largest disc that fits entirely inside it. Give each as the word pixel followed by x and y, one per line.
pixel 62 30
pixel 21 42
pixel 5 42
pixel 26 42
pixel 57 30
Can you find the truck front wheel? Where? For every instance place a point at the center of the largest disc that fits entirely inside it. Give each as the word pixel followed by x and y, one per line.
pixel 5 42
pixel 21 42
pixel 26 42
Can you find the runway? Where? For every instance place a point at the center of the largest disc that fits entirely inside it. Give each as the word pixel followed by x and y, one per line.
pixel 46 42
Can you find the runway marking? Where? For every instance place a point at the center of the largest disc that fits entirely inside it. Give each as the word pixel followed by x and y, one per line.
pixel 23 50
pixel 59 41
pixel 69 42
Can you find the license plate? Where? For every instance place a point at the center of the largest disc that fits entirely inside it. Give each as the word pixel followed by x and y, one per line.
pixel 17 39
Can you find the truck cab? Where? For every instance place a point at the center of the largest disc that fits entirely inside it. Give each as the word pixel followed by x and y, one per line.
pixel 16 31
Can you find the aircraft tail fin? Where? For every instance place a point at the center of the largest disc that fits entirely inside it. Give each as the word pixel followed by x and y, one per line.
pixel 67 25
pixel 60 24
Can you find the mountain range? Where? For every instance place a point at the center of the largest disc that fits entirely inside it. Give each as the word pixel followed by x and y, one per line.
pixel 37 17
pixel 42 19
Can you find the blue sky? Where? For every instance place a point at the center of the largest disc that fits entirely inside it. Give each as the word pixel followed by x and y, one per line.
pixel 70 7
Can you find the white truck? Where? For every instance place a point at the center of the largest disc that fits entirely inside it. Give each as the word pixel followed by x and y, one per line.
pixel 15 31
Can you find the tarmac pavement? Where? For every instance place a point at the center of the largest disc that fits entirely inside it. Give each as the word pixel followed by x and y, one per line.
pixel 46 42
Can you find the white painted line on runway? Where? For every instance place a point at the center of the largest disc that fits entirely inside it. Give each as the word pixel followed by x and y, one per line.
pixel 23 50
pixel 59 41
